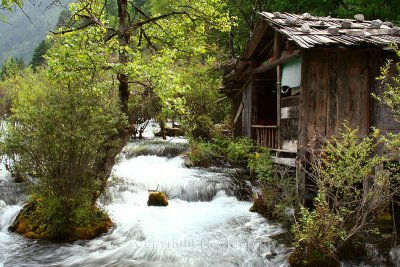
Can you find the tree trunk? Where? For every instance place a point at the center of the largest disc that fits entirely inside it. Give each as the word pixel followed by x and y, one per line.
pixel 123 38
pixel 114 145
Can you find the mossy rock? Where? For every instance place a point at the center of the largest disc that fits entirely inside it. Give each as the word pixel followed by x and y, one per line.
pixel 157 199
pixel 313 258
pixel 25 225
pixel 260 207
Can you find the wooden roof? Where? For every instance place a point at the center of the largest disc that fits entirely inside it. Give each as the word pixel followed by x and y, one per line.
pixel 309 31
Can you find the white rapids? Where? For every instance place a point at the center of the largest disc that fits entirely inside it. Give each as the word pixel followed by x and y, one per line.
pixel 203 225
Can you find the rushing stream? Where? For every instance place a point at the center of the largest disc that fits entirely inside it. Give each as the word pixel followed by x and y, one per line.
pixel 203 225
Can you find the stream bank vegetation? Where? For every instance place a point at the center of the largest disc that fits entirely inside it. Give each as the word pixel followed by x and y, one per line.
pixel 53 137
pixel 276 198
pixel 356 187
pixel 351 192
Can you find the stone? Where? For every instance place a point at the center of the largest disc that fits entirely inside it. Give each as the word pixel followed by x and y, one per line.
pixel 320 23
pixel 367 34
pixel 359 17
pixel 313 257
pixel 157 199
pixel 305 28
pixel 306 16
pixel 376 24
pixel 395 31
pixel 346 24
pixel 277 15
pixel 333 30
pixel 291 21
pixel 388 24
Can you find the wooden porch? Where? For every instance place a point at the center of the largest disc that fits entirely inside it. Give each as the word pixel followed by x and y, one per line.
pixel 266 135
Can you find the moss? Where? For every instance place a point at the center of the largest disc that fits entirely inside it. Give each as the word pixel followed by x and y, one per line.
pixel 25 225
pixel 384 217
pixel 260 207
pixel 157 199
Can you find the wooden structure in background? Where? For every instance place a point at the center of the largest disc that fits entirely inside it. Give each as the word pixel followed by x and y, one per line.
pixel 330 65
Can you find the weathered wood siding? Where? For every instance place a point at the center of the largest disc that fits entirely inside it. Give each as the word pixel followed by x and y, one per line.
pixel 289 122
pixel 247 110
pixel 336 88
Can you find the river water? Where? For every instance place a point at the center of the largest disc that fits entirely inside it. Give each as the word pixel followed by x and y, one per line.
pixel 203 225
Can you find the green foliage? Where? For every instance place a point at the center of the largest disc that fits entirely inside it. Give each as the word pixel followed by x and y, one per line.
pixel 11 68
pixel 277 184
pixel 38 54
pixel 239 149
pixel 220 150
pixel 342 208
pixel 56 130
pixel 10 4
pixel 10 73
pixel 261 165
pixel 201 127
pixel 203 153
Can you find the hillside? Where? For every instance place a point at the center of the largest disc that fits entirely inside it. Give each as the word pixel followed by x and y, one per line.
pixel 20 35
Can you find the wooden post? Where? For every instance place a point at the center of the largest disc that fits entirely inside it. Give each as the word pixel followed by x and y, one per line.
pixel 277 54
pixel 253 100
pixel 303 122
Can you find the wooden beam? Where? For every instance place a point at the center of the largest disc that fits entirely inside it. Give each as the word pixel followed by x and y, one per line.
pixel 265 48
pixel 256 37
pixel 238 113
pixel 280 61
pixel 277 54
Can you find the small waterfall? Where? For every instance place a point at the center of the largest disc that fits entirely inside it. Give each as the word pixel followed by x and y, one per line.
pixel 203 225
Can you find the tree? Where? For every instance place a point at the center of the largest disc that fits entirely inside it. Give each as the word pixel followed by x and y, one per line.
pixel 142 47
pixel 38 54
pixel 54 134
pixel 88 57
pixel 12 66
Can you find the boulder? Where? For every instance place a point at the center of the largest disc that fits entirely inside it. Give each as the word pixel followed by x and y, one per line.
pixel 157 199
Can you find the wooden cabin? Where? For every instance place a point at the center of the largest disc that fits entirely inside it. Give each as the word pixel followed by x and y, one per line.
pixel 300 77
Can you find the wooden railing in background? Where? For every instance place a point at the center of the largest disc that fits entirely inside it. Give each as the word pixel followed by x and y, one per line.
pixel 266 136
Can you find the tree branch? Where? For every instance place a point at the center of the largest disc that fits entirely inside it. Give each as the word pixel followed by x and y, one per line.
pixel 138 24
pixel 74 29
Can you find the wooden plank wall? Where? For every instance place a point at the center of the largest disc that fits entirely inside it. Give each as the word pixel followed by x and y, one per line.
pixel 247 110
pixel 335 88
pixel 289 122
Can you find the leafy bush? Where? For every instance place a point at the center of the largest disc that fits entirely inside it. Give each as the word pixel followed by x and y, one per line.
pixel 202 154
pixel 239 149
pixel 56 130
pixel 277 184
pixel 220 150
pixel 261 165
pixel 343 209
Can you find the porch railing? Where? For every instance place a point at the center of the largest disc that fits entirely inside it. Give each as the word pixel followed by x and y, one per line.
pixel 266 136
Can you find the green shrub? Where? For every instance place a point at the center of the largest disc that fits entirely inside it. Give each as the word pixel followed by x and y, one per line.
pixel 220 150
pixel 343 209
pixel 202 153
pixel 56 130
pixel 261 164
pixel 277 184
pixel 239 149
